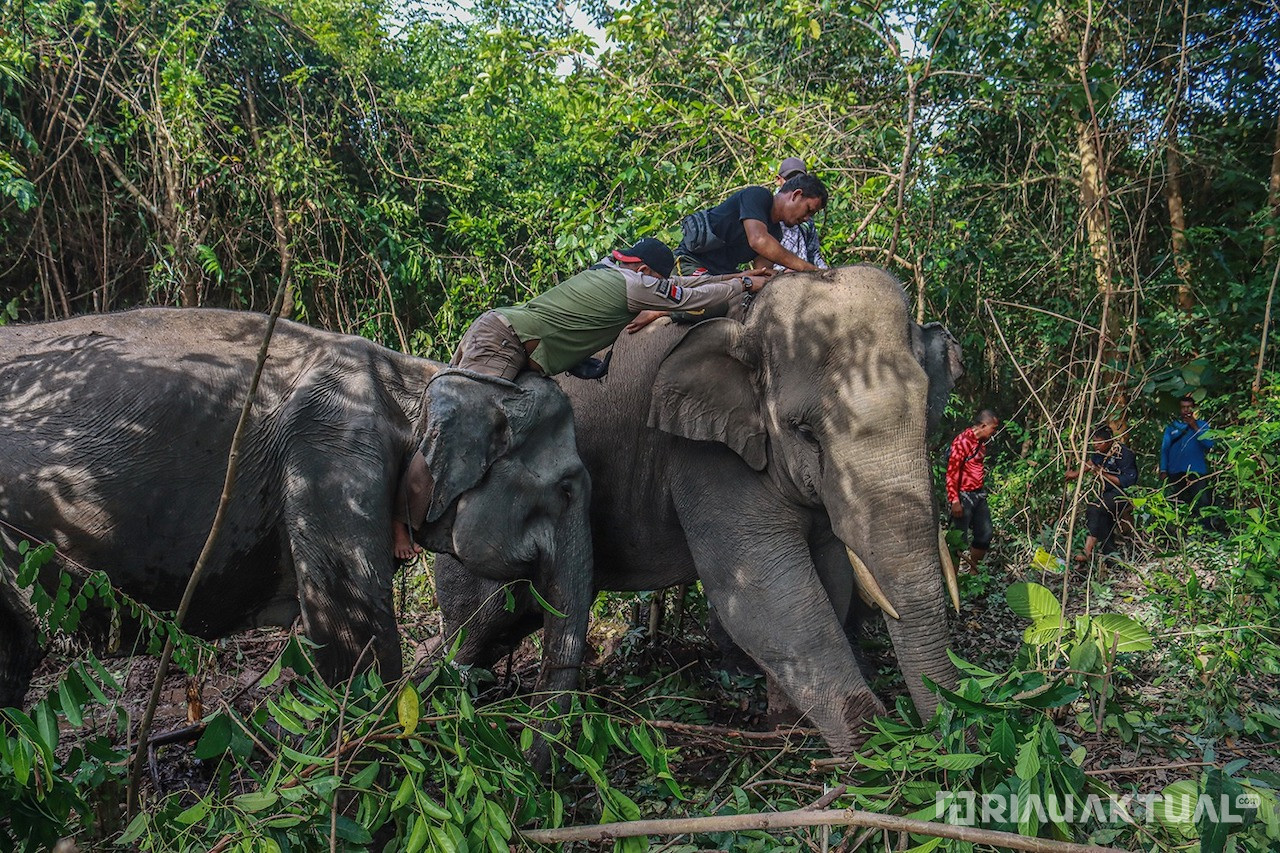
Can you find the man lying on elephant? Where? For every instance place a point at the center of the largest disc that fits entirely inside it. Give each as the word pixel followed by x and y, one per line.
pixel 745 228
pixel 556 330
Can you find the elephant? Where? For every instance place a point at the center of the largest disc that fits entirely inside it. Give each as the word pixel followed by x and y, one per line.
pixel 780 458
pixel 114 439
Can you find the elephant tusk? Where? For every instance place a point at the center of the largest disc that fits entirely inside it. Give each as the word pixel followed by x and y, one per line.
pixel 868 586
pixel 949 570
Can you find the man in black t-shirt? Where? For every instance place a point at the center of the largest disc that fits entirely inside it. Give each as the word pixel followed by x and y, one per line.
pixel 744 228
pixel 747 228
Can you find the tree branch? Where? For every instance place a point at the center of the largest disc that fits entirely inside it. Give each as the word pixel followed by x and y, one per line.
pixel 799 818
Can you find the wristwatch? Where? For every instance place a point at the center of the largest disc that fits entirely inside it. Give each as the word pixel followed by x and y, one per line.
pixel 746 284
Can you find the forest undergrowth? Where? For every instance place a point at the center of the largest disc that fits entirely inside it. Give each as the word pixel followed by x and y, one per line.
pixel 1152 673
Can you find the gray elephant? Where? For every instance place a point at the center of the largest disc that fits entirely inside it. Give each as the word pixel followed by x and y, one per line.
pixel 777 459
pixel 114 435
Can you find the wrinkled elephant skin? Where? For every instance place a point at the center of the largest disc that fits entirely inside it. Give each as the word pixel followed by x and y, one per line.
pixel 114 436
pixel 754 456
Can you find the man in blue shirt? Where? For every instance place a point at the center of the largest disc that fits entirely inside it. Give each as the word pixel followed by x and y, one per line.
pixel 1182 458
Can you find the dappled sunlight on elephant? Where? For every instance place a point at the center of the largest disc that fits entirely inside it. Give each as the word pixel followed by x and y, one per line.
pixel 114 438
pixel 758 456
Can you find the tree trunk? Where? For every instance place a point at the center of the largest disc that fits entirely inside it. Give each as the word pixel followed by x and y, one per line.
pixel 1273 196
pixel 1178 221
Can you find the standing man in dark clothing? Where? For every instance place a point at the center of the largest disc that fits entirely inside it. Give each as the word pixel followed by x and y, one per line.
pixel 1117 468
pixel 1182 458
pixel 966 483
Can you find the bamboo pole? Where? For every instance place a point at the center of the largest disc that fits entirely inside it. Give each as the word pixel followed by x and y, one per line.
pixel 802 818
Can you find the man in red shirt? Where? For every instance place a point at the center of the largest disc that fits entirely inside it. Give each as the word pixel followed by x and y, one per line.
pixel 966 473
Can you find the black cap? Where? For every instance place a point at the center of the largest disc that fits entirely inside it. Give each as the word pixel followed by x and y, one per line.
pixel 649 251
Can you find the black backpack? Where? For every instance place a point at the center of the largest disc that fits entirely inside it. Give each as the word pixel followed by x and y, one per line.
pixel 698 236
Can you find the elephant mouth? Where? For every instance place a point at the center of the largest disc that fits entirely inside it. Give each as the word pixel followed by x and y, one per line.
pixel 870 591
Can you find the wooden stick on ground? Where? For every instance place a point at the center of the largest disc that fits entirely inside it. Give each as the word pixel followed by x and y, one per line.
pixel 799 818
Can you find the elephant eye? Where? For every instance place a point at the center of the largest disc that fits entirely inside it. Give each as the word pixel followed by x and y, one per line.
pixel 567 488
pixel 805 432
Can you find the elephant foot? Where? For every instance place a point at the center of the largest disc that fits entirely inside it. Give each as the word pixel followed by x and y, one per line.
pixel 858 709
pixel 782 714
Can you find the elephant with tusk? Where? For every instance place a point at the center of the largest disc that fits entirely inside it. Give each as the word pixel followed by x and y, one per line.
pixel 781 459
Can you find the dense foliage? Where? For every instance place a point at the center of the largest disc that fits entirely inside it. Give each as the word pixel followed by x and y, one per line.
pixel 1086 194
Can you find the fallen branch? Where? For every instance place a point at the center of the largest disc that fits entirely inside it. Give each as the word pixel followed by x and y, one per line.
pixel 826 799
pixel 799 818
pixel 1148 767
pixel 720 731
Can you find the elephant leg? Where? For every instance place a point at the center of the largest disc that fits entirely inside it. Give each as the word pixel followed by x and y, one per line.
pixel 344 568
pixel 761 579
pixel 19 650
pixel 832 564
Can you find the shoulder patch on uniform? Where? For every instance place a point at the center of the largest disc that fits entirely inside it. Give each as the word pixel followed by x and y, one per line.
pixel 668 290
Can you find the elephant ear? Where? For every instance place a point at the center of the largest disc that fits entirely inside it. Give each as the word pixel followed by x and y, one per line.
pixel 704 391
pixel 939 354
pixel 468 424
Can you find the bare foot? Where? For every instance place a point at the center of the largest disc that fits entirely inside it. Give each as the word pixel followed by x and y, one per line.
pixel 403 546
pixel 1082 558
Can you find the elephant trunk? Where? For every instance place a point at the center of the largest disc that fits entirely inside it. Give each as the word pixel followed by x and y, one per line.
pixel 565 579
pixel 921 639
pixel 888 523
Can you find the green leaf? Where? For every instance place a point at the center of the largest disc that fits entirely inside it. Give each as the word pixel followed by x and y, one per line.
pixel 1126 633
pixel 1084 657
pixel 1032 601
pixel 70 704
pixel 365 777
pixel 1002 741
pixel 193 814
pixel 349 830
pixel 959 760
pixel 418 835
pixel 1056 696
pixel 1029 757
pixel 431 808
pixel 408 709
pixel 216 738
pixel 1045 631
pixel 404 794
pixel 272 674
pixel 134 830
pixel 545 605
pixel 1176 807
pixel 256 801
pixel 47 724
pixel 639 737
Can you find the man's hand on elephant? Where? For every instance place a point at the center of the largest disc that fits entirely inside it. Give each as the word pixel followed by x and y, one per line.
pixel 754 283
pixel 643 319
pixel 957 510
pixel 761 272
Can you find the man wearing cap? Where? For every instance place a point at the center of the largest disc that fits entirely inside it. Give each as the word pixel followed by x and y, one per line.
pixel 747 227
pixel 801 240
pixel 557 329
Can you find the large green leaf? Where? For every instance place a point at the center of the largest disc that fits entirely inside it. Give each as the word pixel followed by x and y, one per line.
pixel 1124 632
pixel 1032 601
